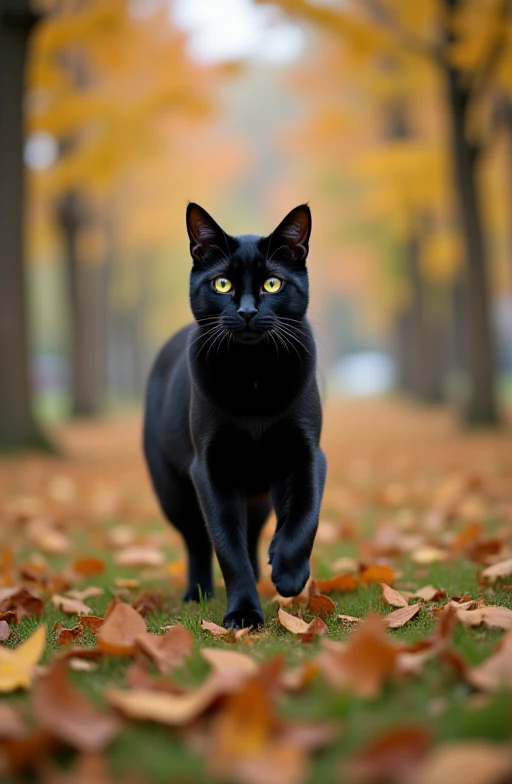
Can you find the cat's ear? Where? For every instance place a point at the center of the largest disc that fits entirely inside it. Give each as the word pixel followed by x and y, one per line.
pixel 293 233
pixel 204 233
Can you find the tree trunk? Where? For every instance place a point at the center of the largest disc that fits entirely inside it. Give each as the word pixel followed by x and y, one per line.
pixel 85 283
pixel 481 407
pixel 17 425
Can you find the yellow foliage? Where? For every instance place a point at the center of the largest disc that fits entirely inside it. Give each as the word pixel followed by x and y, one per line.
pixel 17 666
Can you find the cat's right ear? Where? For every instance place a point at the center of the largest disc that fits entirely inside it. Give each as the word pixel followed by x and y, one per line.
pixel 204 233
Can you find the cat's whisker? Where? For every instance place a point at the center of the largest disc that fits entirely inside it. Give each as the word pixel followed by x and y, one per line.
pixel 211 337
pixel 287 337
pixel 270 335
pixel 205 334
pixel 219 337
pixel 278 336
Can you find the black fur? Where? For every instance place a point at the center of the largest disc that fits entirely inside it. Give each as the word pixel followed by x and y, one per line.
pixel 233 414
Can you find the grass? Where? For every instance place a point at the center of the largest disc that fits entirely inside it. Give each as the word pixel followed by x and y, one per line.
pixel 358 501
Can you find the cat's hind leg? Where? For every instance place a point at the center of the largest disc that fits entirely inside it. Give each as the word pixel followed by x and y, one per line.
pixel 258 510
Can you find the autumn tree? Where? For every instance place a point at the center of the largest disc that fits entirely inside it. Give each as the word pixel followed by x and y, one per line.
pixel 466 43
pixel 17 425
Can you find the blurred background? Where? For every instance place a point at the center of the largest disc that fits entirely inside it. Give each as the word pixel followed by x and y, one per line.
pixel 392 118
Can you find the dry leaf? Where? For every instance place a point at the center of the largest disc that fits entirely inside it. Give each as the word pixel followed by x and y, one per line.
pixel 276 763
pixel 321 605
pixel 91 622
pixel 349 619
pixel 68 715
pixel 391 756
pixel 12 724
pixel 471 761
pixel 398 618
pixel 229 635
pixel 299 627
pixel 340 582
pixel 148 603
pixel 120 630
pixel 430 594
pixel 495 673
pixel 495 617
pixel 21 601
pixel 17 665
pixel 168 650
pixel 498 570
pixel 89 566
pixel 92 590
pixel 364 662
pixel 82 665
pixel 70 606
pixel 229 662
pixel 139 555
pixel 176 710
pixel 67 636
pixel 393 597
pixel 376 573
pixel 429 555
pixel 127 582
pixel 5 630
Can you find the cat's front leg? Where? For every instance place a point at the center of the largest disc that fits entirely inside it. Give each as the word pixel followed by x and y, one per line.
pixel 225 516
pixel 297 503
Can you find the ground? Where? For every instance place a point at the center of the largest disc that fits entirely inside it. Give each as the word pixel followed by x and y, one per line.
pixel 411 501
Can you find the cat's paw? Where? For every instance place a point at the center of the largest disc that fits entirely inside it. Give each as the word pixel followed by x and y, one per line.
pixel 195 594
pixel 290 579
pixel 241 619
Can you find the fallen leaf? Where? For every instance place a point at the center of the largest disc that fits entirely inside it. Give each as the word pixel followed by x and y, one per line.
pixel 92 590
pixel 321 605
pixel 492 616
pixel 82 665
pixel 229 662
pixel 67 636
pixel 89 566
pixel 391 756
pixel 127 582
pixel 393 597
pixel 12 724
pixel 168 650
pixel 429 555
pixel 498 570
pixel 340 582
pixel 148 603
pixel 17 665
pixel 229 635
pixel 275 763
pixel 139 555
pixel 298 678
pixel 67 714
pixel 91 622
pixel 70 606
pixel 5 630
pixel 495 673
pixel 430 594
pixel 348 619
pixel 376 573
pixel 120 630
pixel 176 710
pixel 364 662
pixel 467 537
pixel 472 761
pixel 299 627
pixel 398 618
pixel 21 601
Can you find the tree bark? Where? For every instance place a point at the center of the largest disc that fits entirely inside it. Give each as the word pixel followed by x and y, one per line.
pixel 18 427
pixel 85 282
pixel 481 408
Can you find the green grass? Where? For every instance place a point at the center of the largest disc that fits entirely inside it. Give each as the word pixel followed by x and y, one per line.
pixel 436 699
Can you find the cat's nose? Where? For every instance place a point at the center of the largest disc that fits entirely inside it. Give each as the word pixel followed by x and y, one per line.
pixel 247 310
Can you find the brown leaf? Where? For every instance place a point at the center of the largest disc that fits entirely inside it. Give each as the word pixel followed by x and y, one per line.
pixel 67 636
pixel 92 590
pixel 229 635
pixel 348 619
pixel 65 712
pixel 120 630
pixel 20 600
pixel 498 570
pixel 139 555
pixel 168 650
pixel 299 627
pixel 393 597
pixel 376 573
pixel 428 555
pixel 5 630
pixel 87 769
pixel 229 662
pixel 70 606
pixel 91 622
pixel 12 724
pixel 89 566
pixel 127 582
pixel 321 605
pixel 495 617
pixel 340 582
pixel 391 756
pixel 298 678
pixel 430 594
pixel 148 603
pixel 364 662
pixel 471 761
pixel 398 618
pixel 494 673
pixel 176 710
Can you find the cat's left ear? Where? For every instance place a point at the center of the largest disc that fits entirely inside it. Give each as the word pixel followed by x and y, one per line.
pixel 293 233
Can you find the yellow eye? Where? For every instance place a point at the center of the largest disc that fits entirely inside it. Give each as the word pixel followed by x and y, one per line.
pixel 272 285
pixel 222 285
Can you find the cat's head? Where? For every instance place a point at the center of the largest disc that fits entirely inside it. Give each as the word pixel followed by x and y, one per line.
pixel 253 287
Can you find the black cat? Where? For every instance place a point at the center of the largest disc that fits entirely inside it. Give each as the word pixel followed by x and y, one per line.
pixel 233 413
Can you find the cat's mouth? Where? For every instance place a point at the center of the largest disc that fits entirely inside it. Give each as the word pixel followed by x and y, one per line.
pixel 248 336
